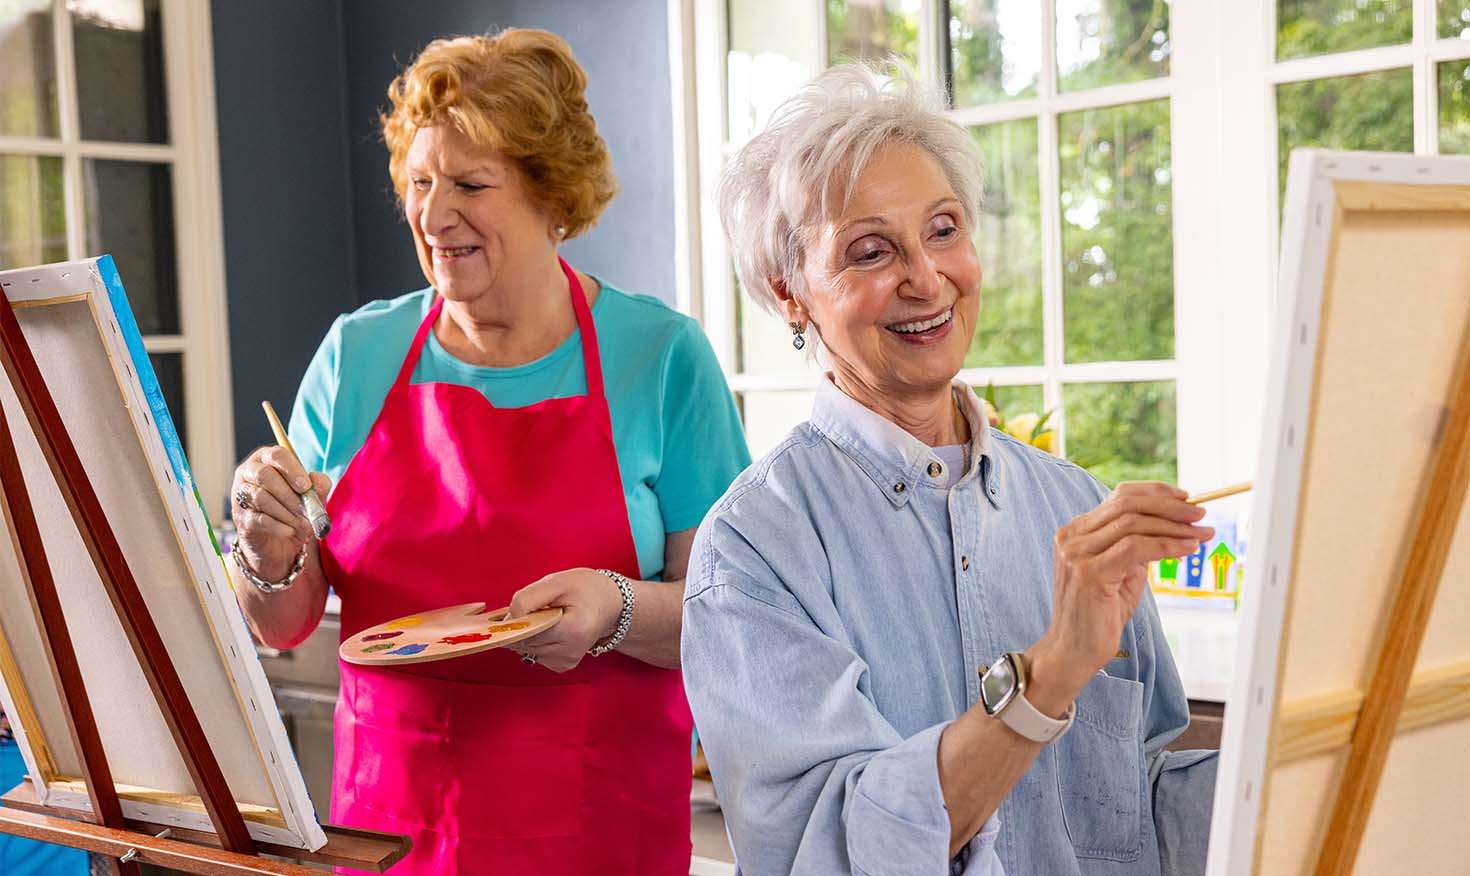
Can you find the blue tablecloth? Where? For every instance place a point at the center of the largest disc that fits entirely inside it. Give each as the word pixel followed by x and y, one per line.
pixel 23 857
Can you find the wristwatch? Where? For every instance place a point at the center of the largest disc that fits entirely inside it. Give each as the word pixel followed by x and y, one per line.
pixel 1003 694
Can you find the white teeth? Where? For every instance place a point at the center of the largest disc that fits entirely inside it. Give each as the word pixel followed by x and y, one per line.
pixel 457 251
pixel 925 325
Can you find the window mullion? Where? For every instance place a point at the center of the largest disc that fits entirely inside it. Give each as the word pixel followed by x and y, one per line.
pixel 1049 168
pixel 73 197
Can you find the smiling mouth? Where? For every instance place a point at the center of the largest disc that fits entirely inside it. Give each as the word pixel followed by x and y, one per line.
pixel 922 325
pixel 453 252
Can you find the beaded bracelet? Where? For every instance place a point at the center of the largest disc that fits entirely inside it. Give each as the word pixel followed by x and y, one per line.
pixel 270 586
pixel 625 618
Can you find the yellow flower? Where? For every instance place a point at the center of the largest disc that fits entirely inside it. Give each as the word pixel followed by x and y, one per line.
pixel 1043 441
pixel 1022 425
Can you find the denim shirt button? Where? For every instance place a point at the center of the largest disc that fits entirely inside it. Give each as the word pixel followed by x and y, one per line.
pixel 899 488
pixel 935 469
pixel 965 563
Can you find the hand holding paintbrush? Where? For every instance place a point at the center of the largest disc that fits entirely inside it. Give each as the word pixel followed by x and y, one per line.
pixel 316 512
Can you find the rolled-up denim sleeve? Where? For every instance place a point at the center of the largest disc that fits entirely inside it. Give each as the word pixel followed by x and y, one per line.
pixel 812 778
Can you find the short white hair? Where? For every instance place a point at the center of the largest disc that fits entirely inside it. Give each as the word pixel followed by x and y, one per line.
pixel 801 170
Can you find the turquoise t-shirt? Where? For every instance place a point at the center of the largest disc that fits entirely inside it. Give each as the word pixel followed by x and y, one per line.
pixel 675 428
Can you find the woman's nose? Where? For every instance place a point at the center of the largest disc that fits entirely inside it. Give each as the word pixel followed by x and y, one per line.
pixel 924 280
pixel 436 214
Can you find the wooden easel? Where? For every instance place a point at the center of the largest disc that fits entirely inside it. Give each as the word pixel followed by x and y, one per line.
pixel 105 830
pixel 1442 498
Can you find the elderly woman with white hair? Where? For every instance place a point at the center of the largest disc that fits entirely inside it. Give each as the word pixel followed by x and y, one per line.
pixel 913 644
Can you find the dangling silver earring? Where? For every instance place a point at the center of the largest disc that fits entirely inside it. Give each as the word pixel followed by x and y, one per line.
pixel 798 340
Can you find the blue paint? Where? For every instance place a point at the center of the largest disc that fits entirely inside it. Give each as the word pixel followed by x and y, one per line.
pixel 407 650
pixel 107 270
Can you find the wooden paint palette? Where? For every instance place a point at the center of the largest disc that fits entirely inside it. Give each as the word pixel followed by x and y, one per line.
pixel 442 634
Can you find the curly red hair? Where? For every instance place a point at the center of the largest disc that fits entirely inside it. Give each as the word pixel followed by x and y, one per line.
pixel 519 92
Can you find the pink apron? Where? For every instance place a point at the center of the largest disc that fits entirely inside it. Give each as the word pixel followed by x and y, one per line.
pixel 489 764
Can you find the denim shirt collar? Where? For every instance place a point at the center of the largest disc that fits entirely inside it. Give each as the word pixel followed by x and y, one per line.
pixel 896 461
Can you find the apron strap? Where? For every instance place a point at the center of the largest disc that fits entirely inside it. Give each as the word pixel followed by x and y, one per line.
pixel 590 356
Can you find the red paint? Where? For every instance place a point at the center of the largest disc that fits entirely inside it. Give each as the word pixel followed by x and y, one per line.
pixel 465 639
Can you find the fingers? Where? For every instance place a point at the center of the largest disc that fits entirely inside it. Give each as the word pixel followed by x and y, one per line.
pixel 1135 551
pixel 535 596
pixel 1154 499
pixel 322 484
pixel 1138 524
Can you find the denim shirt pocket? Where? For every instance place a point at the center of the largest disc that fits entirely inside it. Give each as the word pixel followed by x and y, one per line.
pixel 1100 771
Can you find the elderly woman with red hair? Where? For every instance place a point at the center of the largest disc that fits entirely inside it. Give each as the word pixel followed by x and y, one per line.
pixel 519 432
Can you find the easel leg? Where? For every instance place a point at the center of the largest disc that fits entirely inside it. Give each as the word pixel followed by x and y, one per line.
pixel 36 570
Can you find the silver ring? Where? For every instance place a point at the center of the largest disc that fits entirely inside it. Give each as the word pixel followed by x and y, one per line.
pixel 528 657
pixel 242 499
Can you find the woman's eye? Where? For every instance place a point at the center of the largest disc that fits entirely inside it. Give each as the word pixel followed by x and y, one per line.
pixel 867 253
pixel 472 187
pixel 946 230
pixel 419 183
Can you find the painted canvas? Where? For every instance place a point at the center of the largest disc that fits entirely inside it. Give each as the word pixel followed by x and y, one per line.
pixel 76 320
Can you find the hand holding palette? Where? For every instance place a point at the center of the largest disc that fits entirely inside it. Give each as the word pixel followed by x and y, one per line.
pixel 442 634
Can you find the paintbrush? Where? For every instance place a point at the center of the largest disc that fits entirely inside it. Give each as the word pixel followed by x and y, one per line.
pixel 1212 495
pixel 316 512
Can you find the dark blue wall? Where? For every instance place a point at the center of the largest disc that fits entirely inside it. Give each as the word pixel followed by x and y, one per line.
pixel 311 227
pixel 285 186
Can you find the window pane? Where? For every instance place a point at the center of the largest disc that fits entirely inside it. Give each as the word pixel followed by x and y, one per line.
pixel 872 30
pixel 771 55
pixel 1317 27
pixel 169 369
pixel 1104 43
pixel 994 50
pixel 1454 18
pixel 120 84
pixel 1454 108
pixel 1372 111
pixel 1122 431
pixel 769 416
pixel 765 341
pixel 1008 239
pixel 27 69
pixel 32 212
pixel 1117 233
pixel 130 214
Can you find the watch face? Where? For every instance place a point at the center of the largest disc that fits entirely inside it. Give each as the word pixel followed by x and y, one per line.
pixel 997 685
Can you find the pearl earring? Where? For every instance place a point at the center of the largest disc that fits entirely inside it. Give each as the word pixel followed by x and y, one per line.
pixel 561 231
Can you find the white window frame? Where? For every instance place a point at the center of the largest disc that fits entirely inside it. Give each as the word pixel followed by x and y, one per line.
pixel 193 156
pixel 1221 88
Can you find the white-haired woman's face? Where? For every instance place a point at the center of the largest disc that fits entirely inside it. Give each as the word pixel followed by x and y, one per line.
pixel 893 284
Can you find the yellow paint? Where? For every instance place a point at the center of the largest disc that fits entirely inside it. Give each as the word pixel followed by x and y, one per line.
pixel 506 628
pixel 403 623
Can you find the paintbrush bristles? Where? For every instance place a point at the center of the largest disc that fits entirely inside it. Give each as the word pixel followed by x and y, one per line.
pixel 1212 495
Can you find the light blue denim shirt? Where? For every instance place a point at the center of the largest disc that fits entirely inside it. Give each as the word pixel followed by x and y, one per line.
pixel 838 603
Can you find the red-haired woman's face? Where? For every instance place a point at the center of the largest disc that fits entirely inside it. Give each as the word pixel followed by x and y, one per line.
pixel 474 223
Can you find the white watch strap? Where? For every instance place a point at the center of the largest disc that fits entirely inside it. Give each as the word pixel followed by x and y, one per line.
pixel 1028 721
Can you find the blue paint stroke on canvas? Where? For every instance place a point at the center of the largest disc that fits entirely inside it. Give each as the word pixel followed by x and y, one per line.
pixel 107 270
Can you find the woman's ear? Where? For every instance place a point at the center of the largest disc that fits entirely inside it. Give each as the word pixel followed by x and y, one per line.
pixel 791 309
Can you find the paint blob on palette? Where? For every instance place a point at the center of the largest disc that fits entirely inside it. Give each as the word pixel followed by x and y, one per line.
pixel 442 634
